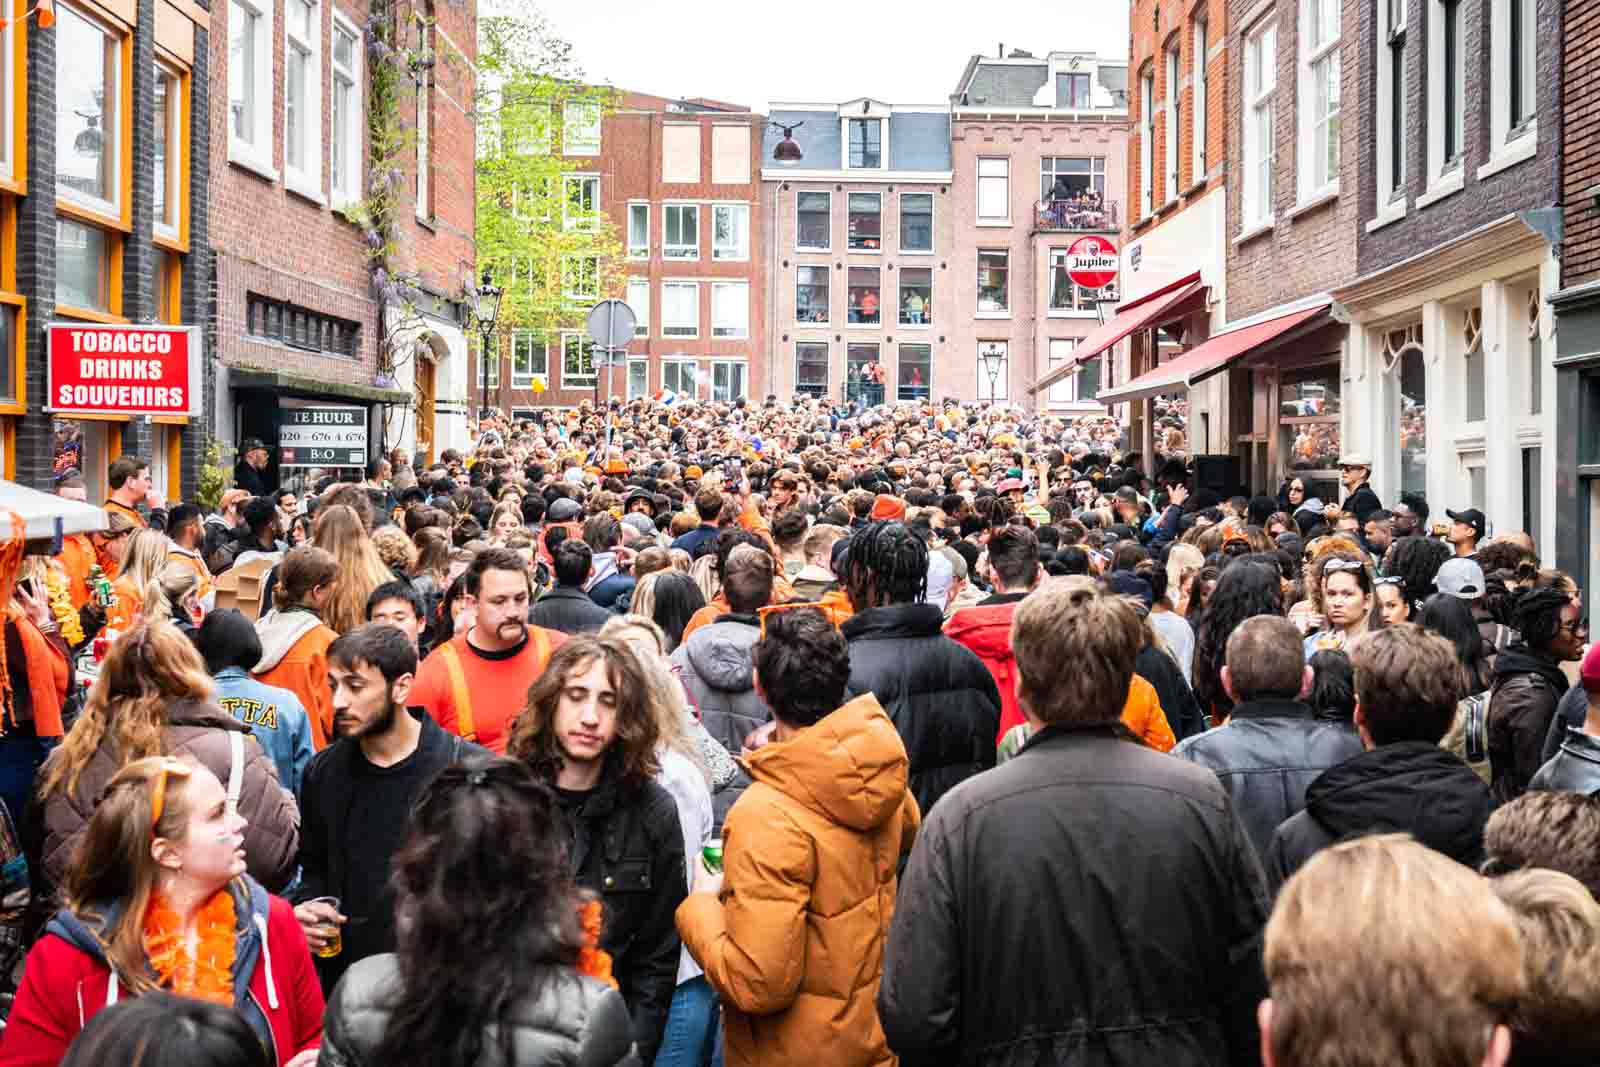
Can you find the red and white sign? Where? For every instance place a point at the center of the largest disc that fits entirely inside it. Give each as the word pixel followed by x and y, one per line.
pixel 100 369
pixel 1092 262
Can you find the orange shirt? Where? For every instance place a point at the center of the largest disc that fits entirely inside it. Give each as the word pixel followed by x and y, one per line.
pixel 129 606
pixel 78 556
pixel 193 561
pixel 497 688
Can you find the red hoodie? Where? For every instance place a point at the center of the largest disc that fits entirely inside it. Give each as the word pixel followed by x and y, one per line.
pixel 986 631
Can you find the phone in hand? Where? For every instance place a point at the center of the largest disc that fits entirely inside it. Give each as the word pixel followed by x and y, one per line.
pixel 29 586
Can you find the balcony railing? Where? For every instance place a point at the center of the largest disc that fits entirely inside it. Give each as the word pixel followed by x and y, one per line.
pixel 1073 216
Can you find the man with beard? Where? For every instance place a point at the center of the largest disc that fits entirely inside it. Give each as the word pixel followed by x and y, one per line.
pixel 471 683
pixel 357 794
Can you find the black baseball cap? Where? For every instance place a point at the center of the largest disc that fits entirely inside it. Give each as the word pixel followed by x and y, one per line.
pixel 1471 517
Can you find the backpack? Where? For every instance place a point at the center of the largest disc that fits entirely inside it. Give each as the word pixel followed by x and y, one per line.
pixel 1469 734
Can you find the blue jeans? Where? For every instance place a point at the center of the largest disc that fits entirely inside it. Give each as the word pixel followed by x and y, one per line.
pixel 691 1025
pixel 22 751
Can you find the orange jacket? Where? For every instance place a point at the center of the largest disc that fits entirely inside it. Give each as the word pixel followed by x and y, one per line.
pixel 129 606
pixel 295 657
pixel 1143 715
pixel 78 556
pixel 782 591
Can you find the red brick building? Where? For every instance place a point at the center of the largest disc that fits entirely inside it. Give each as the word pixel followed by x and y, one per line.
pixel 299 319
pixel 680 182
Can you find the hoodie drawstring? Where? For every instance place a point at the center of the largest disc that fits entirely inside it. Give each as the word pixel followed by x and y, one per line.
pixel 266 958
pixel 111 988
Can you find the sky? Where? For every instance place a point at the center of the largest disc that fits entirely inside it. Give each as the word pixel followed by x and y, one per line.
pixel 753 53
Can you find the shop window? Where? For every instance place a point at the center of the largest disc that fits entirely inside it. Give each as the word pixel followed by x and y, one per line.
pixel 1472 340
pixel 915 372
pixel 727 380
pixel 83 266
pixel 865 222
pixel 993 281
pixel 811 294
pixel 730 310
pixel 577 362
pixel 811 368
pixel 863 295
pixel 916 222
pixel 302 103
pixel 167 118
pixel 863 375
pixel 347 120
pixel 916 296
pixel 88 121
pixel 1308 418
pixel 1404 358
pixel 681 376
pixel 813 222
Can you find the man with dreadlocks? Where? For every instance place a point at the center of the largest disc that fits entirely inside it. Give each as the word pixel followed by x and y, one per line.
pixel 942 698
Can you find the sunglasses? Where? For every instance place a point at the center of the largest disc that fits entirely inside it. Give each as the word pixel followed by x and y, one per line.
pixel 1392 579
pixel 1338 566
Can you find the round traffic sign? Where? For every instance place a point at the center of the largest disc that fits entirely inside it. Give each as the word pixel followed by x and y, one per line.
pixel 1092 262
pixel 611 324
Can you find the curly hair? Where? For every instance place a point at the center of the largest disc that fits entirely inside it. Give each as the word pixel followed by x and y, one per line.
pixel 886 564
pixel 804 665
pixel 1559 831
pixel 1245 589
pixel 634 749
pixel 1536 613
pixel 1417 560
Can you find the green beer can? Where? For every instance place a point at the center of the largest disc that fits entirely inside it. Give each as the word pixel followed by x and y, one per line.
pixel 712 854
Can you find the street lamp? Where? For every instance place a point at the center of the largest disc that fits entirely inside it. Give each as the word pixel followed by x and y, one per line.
pixel 992 356
pixel 485 308
pixel 786 150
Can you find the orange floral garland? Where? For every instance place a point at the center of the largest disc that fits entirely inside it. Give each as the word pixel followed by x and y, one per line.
pixel 208 973
pixel 593 960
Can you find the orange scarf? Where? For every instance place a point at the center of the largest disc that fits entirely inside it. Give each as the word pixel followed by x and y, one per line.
pixel 592 960
pixel 208 973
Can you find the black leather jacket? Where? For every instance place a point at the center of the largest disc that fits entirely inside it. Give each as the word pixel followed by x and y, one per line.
pixel 1266 755
pixel 1575 767
pixel 576 1020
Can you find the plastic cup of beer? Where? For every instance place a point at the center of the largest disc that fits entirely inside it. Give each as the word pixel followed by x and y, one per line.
pixel 335 943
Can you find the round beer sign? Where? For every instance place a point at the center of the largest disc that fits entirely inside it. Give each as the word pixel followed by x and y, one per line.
pixel 1092 262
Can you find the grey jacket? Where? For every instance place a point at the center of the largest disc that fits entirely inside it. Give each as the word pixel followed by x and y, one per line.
pixel 714 666
pixel 577 1021
pixel 1575 768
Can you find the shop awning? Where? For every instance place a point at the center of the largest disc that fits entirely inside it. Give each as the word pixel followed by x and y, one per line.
pixel 1152 309
pixel 1210 357
pixel 45 514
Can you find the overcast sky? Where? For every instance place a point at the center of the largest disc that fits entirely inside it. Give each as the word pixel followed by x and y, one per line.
pixel 822 50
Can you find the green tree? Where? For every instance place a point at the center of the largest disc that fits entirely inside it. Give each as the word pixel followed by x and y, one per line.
pixel 541 225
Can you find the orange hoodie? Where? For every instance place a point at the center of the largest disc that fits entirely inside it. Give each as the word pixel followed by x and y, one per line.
pixel 295 657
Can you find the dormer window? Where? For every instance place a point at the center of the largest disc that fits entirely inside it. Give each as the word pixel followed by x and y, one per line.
pixel 866 143
pixel 1072 91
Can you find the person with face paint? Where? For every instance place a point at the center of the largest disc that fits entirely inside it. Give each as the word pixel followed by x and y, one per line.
pixel 357 793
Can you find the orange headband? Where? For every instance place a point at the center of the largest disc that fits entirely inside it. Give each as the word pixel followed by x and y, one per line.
pixel 158 800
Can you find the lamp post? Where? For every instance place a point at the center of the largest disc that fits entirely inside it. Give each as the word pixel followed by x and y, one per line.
pixel 991 356
pixel 485 308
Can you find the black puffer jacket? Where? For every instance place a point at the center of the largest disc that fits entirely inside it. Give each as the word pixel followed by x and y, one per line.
pixel 1266 755
pixel 575 1020
pixel 939 694
pixel 1522 705
pixel 1089 902
pixel 1407 787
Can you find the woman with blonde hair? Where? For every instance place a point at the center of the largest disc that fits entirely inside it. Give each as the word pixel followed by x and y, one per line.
pixel 159 899
pixel 174 597
pixel 360 568
pixel 153 697
pixel 395 549
pixel 1184 561
pixel 141 563
pixel 505 521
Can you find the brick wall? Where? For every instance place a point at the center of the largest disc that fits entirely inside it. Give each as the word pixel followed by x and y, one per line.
pixel 1153 27
pixel 1580 134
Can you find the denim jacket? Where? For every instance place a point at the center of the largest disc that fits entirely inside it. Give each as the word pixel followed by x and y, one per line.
pixel 276 718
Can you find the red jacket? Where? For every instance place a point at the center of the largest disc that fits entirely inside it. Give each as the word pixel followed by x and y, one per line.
pixel 66 982
pixel 986 631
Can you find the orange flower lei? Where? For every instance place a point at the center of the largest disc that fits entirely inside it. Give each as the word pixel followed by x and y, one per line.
pixel 206 975
pixel 592 960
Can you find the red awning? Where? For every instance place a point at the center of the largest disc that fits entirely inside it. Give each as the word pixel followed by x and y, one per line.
pixel 1151 309
pixel 1209 357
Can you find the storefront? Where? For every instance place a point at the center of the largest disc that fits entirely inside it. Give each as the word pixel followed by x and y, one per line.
pixel 1577 412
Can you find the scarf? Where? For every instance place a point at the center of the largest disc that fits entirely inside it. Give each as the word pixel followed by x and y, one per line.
pixel 208 973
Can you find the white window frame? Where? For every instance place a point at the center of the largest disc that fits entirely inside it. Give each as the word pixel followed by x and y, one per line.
pixel 573 118
pixel 345 189
pixel 675 368
pixel 1000 391
pixel 679 330
pixel 798 247
pixel 1147 142
pixel 1058 257
pixel 1445 172
pixel 1197 103
pixel 628 379
pixel 639 303
pixel 1513 142
pixel 111 131
pixel 570 221
pixel 8 81
pixel 584 272
pixel 1313 129
pixel 536 349
pixel 424 205
pixel 933 224
pixel 1065 391
pixel 993 313
pixel 848 247
pixel 1260 156
pixel 256 153
pixel 739 252
pixel 899 302
pixel 827 281
pixel 579 381
pixel 636 250
pixel 877 272
pixel 307 180
pixel 1392 121
pixel 680 251
pixel 1004 178
pixel 1172 58
pixel 883 141
pixel 731 331
pixel 176 193
pixel 744 378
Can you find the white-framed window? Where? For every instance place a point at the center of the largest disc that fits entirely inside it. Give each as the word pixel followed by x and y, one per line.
pixel 580 278
pixel 866 143
pixel 916 223
pixel 728 380
pixel 1318 122
pixel 1260 79
pixel 1174 111
pixel 168 192
pixel 811 368
pixel 680 237
pixel 1064 391
pixel 529 359
pixel 994 371
pixel 680 309
pixel 730 310
pixel 864 222
pixel 1446 86
pixel 638 378
pixel 811 292
pixel 424 133
pixel 681 376
pixel 916 296
pixel 346 114
pixel 1072 92
pixel 994 281
pixel 89 81
pixel 250 35
pixel 577 362
pixel 580 201
pixel 1147 143
pixel 580 128
pixel 1197 103
pixel 1391 126
pixel 813 221
pixel 638 300
pixel 1063 177
pixel 863 290
pixel 10 9
pixel 1513 71
pixel 638 231
pixel 730 231
pixel 1067 298
pixel 994 189
pixel 302 103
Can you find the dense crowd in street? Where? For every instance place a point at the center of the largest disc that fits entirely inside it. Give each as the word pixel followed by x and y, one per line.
pixel 684 734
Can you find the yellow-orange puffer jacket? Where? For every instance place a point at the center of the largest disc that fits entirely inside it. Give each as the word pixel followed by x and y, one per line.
pixel 794 946
pixel 1143 715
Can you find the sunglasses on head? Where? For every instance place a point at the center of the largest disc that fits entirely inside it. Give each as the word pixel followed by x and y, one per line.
pixel 1392 579
pixel 1336 566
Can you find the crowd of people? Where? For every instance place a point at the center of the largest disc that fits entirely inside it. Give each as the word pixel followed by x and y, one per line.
pixel 697 734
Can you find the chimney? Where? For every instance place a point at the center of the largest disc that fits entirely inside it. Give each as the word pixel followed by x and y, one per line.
pixel 1002 49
